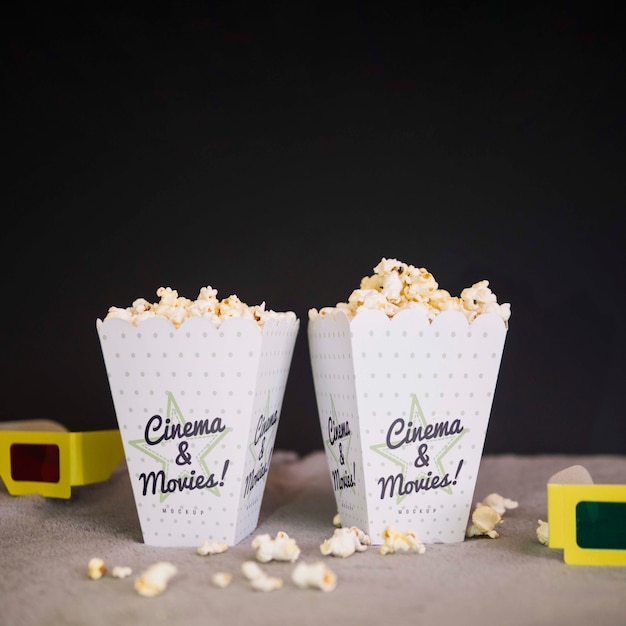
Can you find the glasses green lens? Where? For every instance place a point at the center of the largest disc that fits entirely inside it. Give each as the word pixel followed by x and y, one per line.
pixel 35 462
pixel 601 525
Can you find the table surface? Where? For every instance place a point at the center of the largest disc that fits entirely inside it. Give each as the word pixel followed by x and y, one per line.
pixel 514 579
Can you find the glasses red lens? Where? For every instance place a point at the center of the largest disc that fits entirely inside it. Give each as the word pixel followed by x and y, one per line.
pixel 35 462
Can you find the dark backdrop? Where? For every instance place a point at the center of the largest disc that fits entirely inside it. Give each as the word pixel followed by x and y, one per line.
pixel 278 150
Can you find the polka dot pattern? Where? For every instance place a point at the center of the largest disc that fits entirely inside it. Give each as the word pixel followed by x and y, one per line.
pixel 404 407
pixel 225 386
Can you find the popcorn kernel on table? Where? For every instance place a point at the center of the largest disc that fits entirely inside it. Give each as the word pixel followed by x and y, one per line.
pixel 315 575
pixel 260 580
pixel 395 541
pixel 498 503
pixel 155 579
pixel 213 547
pixel 484 522
pixel 542 532
pixel 96 568
pixel 121 571
pixel 221 579
pixel 345 542
pixel 281 548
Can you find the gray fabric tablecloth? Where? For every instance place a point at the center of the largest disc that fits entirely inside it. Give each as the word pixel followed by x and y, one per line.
pixel 46 545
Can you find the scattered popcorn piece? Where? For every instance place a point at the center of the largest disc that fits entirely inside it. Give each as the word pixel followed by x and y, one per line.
pixel 213 547
pixel 542 532
pixel 96 568
pixel 345 541
pixel 498 503
pixel 316 575
pixel 251 570
pixel 363 538
pixel 266 583
pixel 259 580
pixel 337 520
pixel 121 571
pixel 395 541
pixel 154 580
pixel 395 286
pixel 484 521
pixel 282 548
pixel 177 309
pixel 221 579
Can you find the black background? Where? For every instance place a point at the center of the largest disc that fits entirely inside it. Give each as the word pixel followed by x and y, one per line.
pixel 279 150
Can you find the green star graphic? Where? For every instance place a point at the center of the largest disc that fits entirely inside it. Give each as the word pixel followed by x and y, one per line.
pixel 171 449
pixel 405 455
pixel 340 447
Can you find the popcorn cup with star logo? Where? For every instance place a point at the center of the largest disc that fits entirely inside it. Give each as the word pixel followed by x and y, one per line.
pixel 198 408
pixel 404 406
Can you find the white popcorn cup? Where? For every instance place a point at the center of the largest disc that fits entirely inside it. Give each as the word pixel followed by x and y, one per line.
pixel 198 409
pixel 404 406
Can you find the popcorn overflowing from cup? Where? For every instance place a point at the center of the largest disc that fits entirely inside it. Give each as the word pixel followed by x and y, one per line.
pixel 177 308
pixel 396 286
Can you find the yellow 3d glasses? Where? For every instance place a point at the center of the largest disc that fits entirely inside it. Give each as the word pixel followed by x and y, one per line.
pixel 586 521
pixel 50 462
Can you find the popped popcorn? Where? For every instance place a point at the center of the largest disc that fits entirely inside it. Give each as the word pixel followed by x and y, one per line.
pixel 214 547
pixel 177 308
pixel 393 541
pixel 282 548
pixel 121 571
pixel 221 579
pixel 260 580
pixel 542 532
pixel 484 522
pixel 154 580
pixel 345 541
pixel 395 286
pixel 337 520
pixel 96 568
pixel 498 503
pixel 315 575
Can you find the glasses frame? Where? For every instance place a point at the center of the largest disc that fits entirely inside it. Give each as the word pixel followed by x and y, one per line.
pixel 84 458
pixel 562 527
